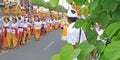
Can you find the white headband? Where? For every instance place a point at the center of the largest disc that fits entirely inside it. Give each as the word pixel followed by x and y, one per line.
pixel 71 13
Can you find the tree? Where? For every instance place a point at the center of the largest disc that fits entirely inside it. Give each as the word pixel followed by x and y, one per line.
pixel 47 5
pixel 106 13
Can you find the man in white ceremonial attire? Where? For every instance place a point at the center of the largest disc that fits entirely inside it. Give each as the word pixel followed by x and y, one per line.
pixel 72 32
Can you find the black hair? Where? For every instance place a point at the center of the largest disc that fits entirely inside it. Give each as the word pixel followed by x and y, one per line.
pixel 72 19
pixel 7 19
pixel 39 19
pixel 19 18
pixel 24 19
pixel 15 19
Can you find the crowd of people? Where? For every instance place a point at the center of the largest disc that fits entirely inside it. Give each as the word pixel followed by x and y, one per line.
pixel 16 29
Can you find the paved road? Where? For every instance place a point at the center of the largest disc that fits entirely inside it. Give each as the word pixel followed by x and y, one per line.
pixel 44 49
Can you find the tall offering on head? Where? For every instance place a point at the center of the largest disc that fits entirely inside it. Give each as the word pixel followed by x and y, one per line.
pixel 6 8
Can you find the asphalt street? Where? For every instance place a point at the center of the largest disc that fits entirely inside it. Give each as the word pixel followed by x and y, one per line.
pixel 43 49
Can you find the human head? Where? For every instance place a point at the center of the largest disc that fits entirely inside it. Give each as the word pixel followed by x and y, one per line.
pixel 71 15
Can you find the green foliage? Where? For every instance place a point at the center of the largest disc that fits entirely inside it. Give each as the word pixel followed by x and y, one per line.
pixel 112 51
pixel 47 5
pixel 86 26
pixel 91 36
pixel 101 46
pixel 79 2
pixel 116 14
pixel 92 5
pixel 112 29
pixel 116 37
pixel 69 1
pixel 103 19
pixel 86 48
pixel 67 53
pixel 109 6
pixel 83 11
pixel 79 23
pixel 54 3
pixel 106 13
pixel 56 57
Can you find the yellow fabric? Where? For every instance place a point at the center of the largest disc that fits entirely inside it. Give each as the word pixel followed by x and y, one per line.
pixel 23 38
pixel 56 26
pixel 48 29
pixel 53 27
pixel 64 32
pixel 29 34
pixel 7 40
pixel 37 34
pixel 14 40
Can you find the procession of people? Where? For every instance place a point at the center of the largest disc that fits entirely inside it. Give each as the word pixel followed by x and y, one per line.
pixel 19 24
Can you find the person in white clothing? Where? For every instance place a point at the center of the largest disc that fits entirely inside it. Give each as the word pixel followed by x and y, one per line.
pixel 14 32
pixel 20 29
pixel 25 32
pixel 7 36
pixel 48 25
pixel 37 29
pixel 74 35
pixel 43 27
pixel 29 28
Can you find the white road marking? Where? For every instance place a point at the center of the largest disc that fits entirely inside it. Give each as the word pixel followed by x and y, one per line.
pixel 48 46
pixel 3 52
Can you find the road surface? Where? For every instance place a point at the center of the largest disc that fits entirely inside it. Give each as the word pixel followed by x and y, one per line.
pixel 44 49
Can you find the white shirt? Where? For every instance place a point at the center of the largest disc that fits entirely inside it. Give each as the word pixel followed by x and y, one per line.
pixel 29 24
pixel 50 21
pixel 7 25
pixel 25 25
pixel 20 24
pixel 37 25
pixel 14 26
pixel 73 35
pixel 43 22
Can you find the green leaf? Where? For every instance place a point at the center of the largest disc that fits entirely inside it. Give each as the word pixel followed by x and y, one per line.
pixel 69 1
pixel 56 57
pixel 83 11
pixel 87 3
pixel 116 37
pixel 93 5
pixel 101 46
pixel 116 14
pixel 79 23
pixel 86 26
pixel 112 29
pixel 91 36
pixel 109 6
pixel 54 3
pixel 97 9
pixel 102 57
pixel 68 52
pixel 86 48
pixel 79 2
pixel 103 18
pixel 76 52
pixel 112 51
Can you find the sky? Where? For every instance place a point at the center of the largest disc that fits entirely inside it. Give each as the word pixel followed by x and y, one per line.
pixel 62 3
